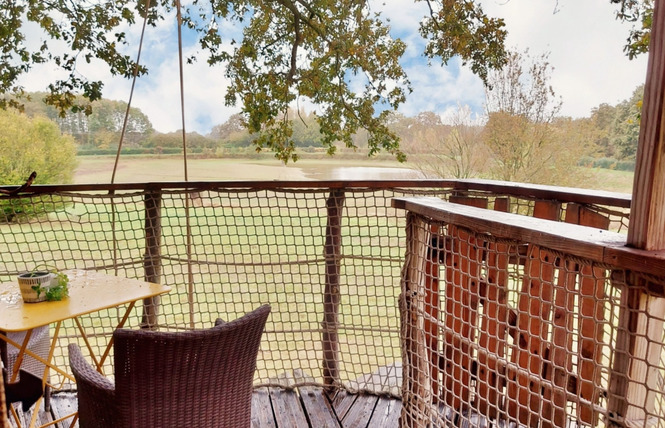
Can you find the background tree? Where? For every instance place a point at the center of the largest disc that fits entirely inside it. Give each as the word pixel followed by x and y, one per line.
pixel 640 13
pixel 35 144
pixel 223 131
pixel 453 150
pixel 174 140
pixel 101 127
pixel 318 50
pixel 618 127
pixel 521 106
pixel 626 126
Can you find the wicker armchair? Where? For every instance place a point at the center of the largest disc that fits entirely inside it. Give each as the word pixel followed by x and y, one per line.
pixel 199 378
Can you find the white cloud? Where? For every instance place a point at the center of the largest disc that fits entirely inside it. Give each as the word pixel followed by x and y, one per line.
pixel 585 42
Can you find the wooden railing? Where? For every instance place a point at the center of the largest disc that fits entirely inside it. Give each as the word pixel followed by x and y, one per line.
pixel 534 321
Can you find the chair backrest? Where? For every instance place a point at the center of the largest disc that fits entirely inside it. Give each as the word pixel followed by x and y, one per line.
pixel 199 378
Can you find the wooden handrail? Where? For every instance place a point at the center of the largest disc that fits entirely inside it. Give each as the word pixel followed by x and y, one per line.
pixel 521 190
pixel 590 243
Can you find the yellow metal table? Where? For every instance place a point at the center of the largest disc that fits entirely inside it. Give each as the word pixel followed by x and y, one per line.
pixel 88 292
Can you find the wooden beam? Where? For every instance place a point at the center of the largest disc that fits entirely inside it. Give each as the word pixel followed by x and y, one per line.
pixel 646 231
pixel 647 217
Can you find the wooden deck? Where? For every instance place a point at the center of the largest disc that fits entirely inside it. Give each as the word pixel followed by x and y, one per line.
pixel 304 407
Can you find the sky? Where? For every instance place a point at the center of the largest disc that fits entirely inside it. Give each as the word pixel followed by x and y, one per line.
pixel 583 39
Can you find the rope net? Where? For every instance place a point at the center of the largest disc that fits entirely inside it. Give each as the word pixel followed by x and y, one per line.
pixel 511 333
pixel 329 263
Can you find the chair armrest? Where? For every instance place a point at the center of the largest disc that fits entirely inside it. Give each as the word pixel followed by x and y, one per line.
pixel 96 394
pixel 85 372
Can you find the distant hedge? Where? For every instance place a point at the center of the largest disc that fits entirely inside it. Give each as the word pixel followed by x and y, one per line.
pixel 607 163
pixel 137 151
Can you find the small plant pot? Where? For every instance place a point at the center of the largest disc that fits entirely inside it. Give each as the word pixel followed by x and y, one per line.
pixel 34 285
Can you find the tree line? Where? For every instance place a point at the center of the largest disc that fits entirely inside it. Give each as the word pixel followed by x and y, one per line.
pixel 520 138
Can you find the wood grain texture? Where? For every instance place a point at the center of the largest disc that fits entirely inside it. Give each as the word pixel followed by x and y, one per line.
pixel 591 309
pixel 581 241
pixel 318 408
pixel 647 217
pixel 262 415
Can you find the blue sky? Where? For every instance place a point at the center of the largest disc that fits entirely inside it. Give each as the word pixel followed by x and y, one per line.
pixel 584 41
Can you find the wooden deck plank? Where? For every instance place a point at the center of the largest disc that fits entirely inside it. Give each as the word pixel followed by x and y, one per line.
pixel 280 408
pixel 360 413
pixel 386 413
pixel 262 414
pixel 318 408
pixel 287 408
pixel 342 403
pixel 64 404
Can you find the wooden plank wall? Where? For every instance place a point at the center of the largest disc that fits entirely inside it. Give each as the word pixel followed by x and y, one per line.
pixel 543 342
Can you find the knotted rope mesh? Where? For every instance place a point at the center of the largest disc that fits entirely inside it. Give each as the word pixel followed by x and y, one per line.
pixel 508 332
pixel 328 261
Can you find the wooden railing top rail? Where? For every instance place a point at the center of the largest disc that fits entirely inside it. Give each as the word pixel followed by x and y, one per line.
pixel 594 244
pixel 523 190
pixel 541 191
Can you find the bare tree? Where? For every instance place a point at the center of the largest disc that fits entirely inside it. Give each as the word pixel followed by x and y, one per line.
pixel 455 150
pixel 521 108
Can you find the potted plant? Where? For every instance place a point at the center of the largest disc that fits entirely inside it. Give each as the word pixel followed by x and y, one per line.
pixel 43 284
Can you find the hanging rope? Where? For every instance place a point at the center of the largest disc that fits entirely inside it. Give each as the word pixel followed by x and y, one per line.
pixel 190 274
pixel 131 92
pixel 122 136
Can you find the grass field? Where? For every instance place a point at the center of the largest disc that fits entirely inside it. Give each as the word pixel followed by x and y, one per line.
pixel 98 169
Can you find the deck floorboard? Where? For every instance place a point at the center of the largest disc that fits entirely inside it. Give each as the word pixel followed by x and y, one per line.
pixel 275 408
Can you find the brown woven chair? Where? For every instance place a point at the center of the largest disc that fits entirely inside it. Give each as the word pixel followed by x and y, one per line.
pixel 199 378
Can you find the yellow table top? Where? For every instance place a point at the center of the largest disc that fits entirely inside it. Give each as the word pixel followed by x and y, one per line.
pixel 88 292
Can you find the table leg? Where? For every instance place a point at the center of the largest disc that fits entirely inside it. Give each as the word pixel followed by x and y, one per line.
pixel 38 358
pixel 20 355
pixel 87 343
pixel 110 344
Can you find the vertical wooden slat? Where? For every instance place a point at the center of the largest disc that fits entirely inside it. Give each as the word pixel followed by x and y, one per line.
pixel 416 392
pixel 432 302
pixel 331 298
pixel 525 403
pixel 152 261
pixel 591 310
pixel 462 261
pixel 494 323
pixel 560 366
pixel 534 305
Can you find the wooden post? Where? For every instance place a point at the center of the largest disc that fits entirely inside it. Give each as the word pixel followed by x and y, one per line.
pixel 333 253
pixel 638 351
pixel 416 392
pixel 152 262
